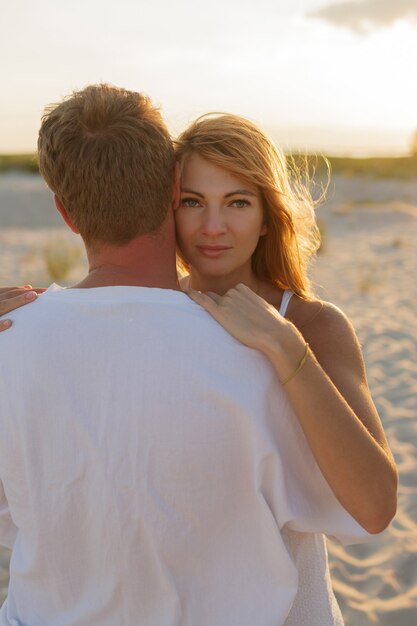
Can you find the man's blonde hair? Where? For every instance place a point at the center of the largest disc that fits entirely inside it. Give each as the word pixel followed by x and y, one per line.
pixel 108 156
pixel 240 147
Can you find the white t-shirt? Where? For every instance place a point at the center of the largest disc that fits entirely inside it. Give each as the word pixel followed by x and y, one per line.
pixel 152 472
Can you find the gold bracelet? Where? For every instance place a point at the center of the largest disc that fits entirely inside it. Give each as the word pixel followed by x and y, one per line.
pixel 299 366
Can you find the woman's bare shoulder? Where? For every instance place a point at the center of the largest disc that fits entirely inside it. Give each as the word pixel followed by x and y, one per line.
pixel 322 323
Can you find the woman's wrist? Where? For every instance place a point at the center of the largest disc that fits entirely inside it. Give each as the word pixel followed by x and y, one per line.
pixel 299 367
pixel 287 354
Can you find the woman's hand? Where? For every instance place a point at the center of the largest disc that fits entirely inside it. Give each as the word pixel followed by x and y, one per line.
pixel 247 317
pixel 13 297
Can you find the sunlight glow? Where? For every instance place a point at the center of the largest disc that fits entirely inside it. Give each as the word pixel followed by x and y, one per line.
pixel 268 60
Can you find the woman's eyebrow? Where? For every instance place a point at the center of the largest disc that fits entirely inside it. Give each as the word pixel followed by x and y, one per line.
pixel 245 192
pixel 188 190
pixel 240 191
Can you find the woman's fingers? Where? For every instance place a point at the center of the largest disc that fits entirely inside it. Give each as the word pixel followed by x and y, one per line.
pixel 246 316
pixel 208 301
pixel 5 324
pixel 15 297
pixel 214 296
pixel 240 317
pixel 8 292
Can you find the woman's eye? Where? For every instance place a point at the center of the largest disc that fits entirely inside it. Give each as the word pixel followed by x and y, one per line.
pixel 190 202
pixel 240 204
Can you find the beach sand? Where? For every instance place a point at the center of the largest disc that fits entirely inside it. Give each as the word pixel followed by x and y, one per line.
pixel 368 267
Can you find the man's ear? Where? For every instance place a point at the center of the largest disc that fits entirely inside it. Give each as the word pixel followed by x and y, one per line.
pixel 65 215
pixel 176 187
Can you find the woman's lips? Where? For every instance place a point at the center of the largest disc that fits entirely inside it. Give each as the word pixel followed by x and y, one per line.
pixel 213 251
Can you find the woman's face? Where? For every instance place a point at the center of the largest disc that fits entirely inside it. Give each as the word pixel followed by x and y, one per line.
pixel 219 221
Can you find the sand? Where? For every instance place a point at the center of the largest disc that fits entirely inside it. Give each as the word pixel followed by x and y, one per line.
pixel 368 267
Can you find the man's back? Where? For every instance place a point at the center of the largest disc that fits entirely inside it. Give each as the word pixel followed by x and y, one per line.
pixel 142 455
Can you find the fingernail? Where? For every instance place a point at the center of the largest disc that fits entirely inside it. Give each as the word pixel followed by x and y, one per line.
pixel 27 287
pixel 31 295
pixel 5 324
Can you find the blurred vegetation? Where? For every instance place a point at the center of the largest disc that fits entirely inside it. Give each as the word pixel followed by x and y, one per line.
pixel 19 162
pixel 404 168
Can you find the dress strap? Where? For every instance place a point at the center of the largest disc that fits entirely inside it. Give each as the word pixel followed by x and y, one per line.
pixel 286 297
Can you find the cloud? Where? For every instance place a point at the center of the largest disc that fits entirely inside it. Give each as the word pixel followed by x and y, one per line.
pixel 364 15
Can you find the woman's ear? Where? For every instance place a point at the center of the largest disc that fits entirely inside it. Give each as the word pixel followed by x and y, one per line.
pixel 65 215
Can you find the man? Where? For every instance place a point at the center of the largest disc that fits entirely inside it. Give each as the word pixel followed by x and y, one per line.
pixel 143 476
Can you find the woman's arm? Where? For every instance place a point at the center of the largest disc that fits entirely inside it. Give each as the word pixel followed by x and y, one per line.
pixel 329 394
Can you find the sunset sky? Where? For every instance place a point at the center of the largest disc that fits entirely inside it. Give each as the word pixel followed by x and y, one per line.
pixel 322 75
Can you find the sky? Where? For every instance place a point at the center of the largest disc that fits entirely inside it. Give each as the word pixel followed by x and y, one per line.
pixel 319 75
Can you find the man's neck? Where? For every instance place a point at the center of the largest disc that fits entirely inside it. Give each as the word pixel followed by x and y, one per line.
pixel 143 262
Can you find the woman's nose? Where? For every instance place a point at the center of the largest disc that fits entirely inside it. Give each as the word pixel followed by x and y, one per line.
pixel 213 223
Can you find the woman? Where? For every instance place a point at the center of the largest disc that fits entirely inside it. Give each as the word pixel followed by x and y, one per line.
pixel 246 233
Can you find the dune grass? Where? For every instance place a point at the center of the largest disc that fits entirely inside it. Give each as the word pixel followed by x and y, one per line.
pixel 60 258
